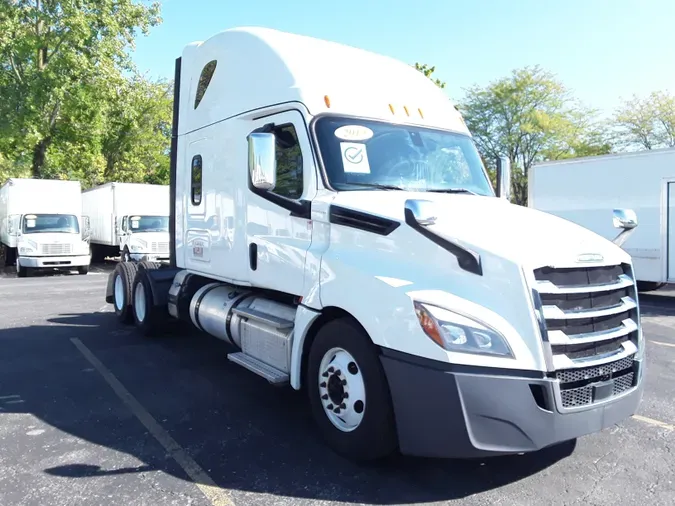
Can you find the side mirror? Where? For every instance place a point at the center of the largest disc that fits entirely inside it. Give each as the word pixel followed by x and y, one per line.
pixel 626 220
pixel 504 178
pixel 262 160
pixel 422 211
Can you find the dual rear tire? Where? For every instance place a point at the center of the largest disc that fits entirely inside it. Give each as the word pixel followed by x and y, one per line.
pixel 133 298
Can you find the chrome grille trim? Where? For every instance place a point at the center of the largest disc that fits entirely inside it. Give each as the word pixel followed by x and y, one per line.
pixel 56 249
pixel 590 331
pixel 559 337
pixel 555 313
pixel 548 287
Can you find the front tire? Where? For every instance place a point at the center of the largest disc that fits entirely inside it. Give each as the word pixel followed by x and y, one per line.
pixel 123 277
pixel 83 269
pixel 21 272
pixel 342 360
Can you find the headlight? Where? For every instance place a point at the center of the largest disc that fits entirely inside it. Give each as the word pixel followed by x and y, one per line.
pixel 135 247
pixel 458 333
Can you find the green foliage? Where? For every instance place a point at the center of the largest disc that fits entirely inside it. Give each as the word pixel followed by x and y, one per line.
pixel 428 71
pixel 57 62
pixel 647 123
pixel 529 116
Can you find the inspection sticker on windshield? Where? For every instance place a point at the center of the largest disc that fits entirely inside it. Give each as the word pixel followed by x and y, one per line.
pixel 353 133
pixel 354 157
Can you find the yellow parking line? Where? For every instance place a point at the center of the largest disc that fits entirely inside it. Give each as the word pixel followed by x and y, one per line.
pixel 662 344
pixel 216 495
pixel 651 421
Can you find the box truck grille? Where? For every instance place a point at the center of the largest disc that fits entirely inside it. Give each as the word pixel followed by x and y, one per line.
pixel 160 247
pixel 590 318
pixel 56 249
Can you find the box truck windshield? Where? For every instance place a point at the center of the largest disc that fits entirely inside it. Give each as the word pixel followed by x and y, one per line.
pixel 50 223
pixel 149 224
pixel 373 153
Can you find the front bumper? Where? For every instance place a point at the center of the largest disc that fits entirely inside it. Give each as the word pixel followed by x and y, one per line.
pixel 450 414
pixel 152 257
pixel 54 262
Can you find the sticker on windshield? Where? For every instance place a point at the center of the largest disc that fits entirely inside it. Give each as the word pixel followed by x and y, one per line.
pixel 354 157
pixel 353 133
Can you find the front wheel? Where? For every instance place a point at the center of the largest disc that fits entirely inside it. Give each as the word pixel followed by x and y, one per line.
pixel 349 394
pixel 21 272
pixel 83 269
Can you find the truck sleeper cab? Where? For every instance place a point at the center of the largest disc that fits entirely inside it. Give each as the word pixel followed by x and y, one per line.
pixel 342 236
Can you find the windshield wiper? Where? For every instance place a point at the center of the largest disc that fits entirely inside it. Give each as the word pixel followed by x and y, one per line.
pixel 375 185
pixel 452 190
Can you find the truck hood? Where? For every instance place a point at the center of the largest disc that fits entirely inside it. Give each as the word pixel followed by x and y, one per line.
pixel 51 238
pixel 150 237
pixel 493 226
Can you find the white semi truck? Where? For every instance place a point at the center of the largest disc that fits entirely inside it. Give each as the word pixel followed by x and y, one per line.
pixel 41 226
pixel 331 220
pixel 586 190
pixel 130 220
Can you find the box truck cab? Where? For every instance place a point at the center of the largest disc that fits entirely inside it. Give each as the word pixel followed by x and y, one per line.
pixel 42 226
pixel 128 219
pixel 371 262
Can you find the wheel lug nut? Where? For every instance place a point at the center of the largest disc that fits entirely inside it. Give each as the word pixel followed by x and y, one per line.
pixel 331 369
pixel 344 382
pixel 336 410
pixel 330 406
pixel 323 385
pixel 324 397
pixel 325 375
pixel 343 406
pixel 345 395
pixel 338 372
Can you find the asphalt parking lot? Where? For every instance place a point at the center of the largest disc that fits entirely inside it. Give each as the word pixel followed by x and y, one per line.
pixel 93 414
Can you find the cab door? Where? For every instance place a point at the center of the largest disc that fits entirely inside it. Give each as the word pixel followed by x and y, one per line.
pixel 278 235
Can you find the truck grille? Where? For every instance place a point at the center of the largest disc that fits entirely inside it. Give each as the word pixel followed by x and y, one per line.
pixel 160 247
pixel 56 249
pixel 591 322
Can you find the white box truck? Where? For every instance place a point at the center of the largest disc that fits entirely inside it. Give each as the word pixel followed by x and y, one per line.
pixel 586 190
pixel 130 220
pixel 331 220
pixel 41 226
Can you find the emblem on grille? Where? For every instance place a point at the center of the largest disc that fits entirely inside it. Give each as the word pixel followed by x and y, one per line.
pixel 590 257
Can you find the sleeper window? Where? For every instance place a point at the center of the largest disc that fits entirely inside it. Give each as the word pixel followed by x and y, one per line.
pixel 289 163
pixel 196 193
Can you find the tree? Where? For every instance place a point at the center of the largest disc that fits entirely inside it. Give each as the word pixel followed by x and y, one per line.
pixel 428 71
pixel 56 60
pixel 529 116
pixel 136 143
pixel 647 123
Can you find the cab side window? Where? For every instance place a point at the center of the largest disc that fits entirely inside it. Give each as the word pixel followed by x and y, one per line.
pixel 289 163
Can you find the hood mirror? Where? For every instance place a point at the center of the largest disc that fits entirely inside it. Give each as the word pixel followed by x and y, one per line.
pixel 626 220
pixel 423 211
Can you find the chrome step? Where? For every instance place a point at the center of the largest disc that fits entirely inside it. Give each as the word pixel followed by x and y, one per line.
pixel 271 374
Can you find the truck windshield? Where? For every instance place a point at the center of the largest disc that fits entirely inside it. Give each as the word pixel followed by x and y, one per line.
pixel 363 154
pixel 148 223
pixel 50 223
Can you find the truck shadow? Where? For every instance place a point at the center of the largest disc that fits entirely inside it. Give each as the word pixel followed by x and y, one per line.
pixel 249 436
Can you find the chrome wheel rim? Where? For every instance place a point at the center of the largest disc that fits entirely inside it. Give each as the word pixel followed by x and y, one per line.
pixel 342 389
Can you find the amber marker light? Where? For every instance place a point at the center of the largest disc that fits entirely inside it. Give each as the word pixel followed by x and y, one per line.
pixel 428 324
pixel 326 100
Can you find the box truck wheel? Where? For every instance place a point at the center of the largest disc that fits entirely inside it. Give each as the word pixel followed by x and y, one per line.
pixel 148 317
pixel 348 392
pixel 21 272
pixel 123 277
pixel 83 269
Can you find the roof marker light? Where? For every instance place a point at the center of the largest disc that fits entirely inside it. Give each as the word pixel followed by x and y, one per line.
pixel 421 114
pixel 405 108
pixel 391 108
pixel 326 99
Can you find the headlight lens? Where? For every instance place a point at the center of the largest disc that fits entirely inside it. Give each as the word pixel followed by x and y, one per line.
pixel 458 333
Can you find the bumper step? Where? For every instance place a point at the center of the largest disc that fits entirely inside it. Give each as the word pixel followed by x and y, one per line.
pixel 271 374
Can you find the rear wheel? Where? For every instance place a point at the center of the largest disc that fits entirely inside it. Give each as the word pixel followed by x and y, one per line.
pixel 649 286
pixel 148 318
pixel 123 277
pixel 349 394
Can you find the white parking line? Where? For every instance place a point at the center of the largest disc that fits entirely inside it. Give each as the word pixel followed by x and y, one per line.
pixel 662 344
pixel 216 495
pixel 651 421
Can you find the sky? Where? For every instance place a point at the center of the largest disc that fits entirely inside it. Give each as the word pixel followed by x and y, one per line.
pixel 602 50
